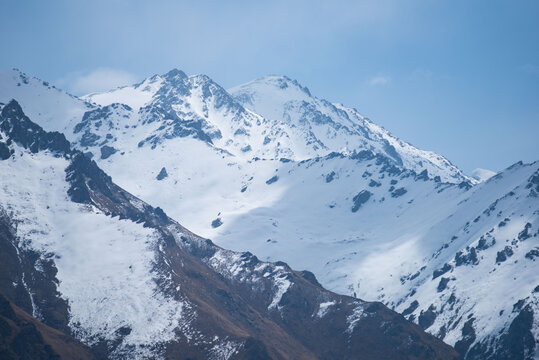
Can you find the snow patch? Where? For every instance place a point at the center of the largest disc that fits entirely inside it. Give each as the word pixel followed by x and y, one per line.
pixel 353 319
pixel 323 308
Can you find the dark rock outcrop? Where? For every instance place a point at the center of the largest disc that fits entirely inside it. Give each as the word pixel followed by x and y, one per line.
pixel 162 174
pixel 107 151
pixel 361 198
pixel 272 180
pixel 29 135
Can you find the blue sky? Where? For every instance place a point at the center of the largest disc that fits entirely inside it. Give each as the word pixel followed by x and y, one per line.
pixel 457 77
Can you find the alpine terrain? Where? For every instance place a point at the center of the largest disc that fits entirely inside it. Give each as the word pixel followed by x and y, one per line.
pixel 264 168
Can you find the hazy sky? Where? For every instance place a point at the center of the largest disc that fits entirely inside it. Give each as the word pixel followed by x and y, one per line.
pixel 457 77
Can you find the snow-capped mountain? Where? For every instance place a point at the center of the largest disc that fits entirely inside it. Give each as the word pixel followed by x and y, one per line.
pixel 89 259
pixel 324 127
pixel 294 124
pixel 268 168
pixel 482 174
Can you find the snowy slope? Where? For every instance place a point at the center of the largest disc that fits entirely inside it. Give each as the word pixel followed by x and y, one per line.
pixel 476 288
pixel 55 109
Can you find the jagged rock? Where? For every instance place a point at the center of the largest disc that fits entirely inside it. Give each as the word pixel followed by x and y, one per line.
pixel 216 223
pixel 361 198
pixel 31 136
pixel 503 222
pixel 518 342
pixel 426 318
pixel 468 337
pixel 440 272
pixel 107 151
pixel 533 182
pixel 532 254
pixel 330 177
pixel 443 284
pixel 410 309
pixel 468 258
pixel 501 256
pixel 465 185
pixel 524 234
pixel 272 180
pixel 5 152
pixel 162 174
pixel 89 139
pixel 398 192
pixel 310 277
pixel 424 175
pixel 483 245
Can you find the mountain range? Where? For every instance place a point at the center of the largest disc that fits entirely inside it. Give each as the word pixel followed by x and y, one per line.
pixel 264 168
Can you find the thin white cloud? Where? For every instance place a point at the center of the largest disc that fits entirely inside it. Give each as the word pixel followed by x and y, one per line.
pixel 423 74
pixel 379 81
pixel 531 69
pixel 98 80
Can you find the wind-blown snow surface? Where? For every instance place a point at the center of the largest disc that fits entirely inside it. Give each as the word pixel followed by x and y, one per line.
pixel 482 174
pixel 271 169
pixel 55 109
pixel 104 264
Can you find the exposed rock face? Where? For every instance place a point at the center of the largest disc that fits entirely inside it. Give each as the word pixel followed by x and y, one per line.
pixel 4 151
pixel 272 180
pixel 216 223
pixel 162 174
pixel 361 198
pixel 107 151
pixel 17 127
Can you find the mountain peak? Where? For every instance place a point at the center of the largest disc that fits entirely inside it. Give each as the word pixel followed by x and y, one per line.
pixel 12 107
pixel 13 71
pixel 175 73
pixel 482 174
pixel 275 82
